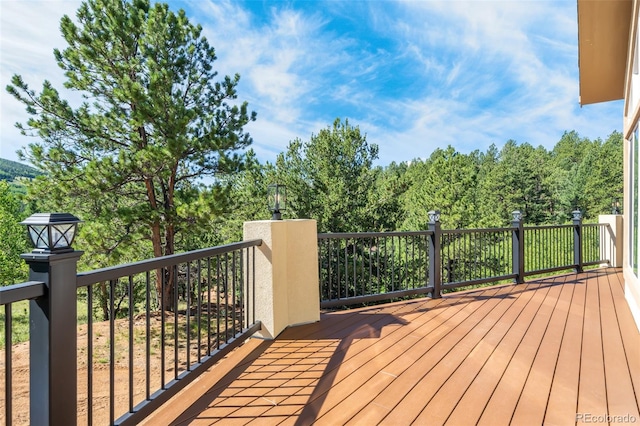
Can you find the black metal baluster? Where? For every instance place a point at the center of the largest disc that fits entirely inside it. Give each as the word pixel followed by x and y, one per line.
pixel 89 355
pixel 187 313
pixel 8 373
pixel 112 354
pixel 148 335
pixel 131 349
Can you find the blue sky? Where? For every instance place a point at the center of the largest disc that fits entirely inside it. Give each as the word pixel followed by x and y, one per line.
pixel 413 75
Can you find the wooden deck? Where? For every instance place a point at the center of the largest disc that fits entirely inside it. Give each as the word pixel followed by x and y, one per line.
pixel 557 351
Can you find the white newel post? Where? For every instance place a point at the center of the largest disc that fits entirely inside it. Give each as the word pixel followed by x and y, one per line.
pixel 286 273
pixel 612 245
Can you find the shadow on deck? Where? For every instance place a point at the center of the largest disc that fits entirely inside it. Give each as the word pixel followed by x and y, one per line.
pixel 562 350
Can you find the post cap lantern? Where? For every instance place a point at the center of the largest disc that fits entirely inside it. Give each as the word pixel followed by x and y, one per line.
pixel 277 200
pixel 51 232
pixel 516 216
pixel 434 216
pixel 615 205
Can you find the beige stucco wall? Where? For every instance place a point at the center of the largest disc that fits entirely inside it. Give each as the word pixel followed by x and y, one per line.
pixel 286 267
pixel 612 247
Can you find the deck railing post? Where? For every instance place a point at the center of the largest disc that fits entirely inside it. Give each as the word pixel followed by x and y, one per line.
pixel 435 263
pixel 517 246
pixel 53 339
pixel 577 240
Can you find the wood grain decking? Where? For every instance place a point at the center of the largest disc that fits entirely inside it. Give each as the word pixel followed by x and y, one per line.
pixel 558 351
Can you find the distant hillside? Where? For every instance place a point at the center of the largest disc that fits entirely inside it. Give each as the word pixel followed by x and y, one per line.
pixel 9 170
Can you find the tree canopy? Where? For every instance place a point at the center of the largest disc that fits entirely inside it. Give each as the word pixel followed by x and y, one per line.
pixel 330 177
pixel 144 153
pixel 13 240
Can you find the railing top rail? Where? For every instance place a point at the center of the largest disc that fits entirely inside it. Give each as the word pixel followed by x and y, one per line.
pixel 344 235
pixel 469 231
pixel 115 272
pixel 548 226
pixel 22 291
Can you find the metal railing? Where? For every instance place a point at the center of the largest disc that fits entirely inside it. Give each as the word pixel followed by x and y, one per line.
pixel 475 256
pixel 594 249
pixel 8 297
pixel 366 267
pixel 548 248
pixel 151 328
pixel 370 266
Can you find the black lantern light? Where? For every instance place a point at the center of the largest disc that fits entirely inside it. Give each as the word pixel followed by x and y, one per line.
pixel 277 200
pixel 51 232
pixel 516 215
pixel 615 205
pixel 434 216
pixel 577 214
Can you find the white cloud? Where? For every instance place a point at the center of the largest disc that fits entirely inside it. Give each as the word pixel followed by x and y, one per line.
pixel 413 75
pixel 29 31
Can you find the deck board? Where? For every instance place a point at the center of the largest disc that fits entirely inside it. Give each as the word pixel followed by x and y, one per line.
pixel 620 392
pixel 471 405
pixel 533 353
pixel 592 394
pixel 564 386
pixel 532 402
pixel 504 399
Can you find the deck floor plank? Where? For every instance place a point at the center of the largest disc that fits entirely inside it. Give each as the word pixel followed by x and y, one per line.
pixel 476 396
pixel 356 338
pixel 533 400
pixel 448 396
pixel 563 396
pixel 416 387
pixel 628 332
pixel 592 393
pixel 534 353
pixel 620 392
pixel 379 367
pixel 358 401
pixel 502 403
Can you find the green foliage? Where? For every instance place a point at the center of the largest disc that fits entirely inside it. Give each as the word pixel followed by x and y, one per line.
pixel 329 178
pixel 11 170
pixel 158 124
pixel 132 162
pixel 247 202
pixel 445 182
pixel 13 240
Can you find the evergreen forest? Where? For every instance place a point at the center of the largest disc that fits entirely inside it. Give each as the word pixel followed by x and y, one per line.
pixel 332 177
pixel 156 159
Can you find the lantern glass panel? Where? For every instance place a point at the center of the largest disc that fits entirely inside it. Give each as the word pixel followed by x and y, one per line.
pixel 62 235
pixel 39 236
pixel 277 197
